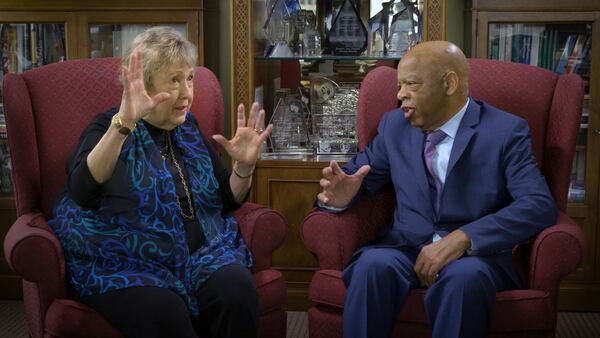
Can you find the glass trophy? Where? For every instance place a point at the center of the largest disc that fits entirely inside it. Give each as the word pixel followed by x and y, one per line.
pixel 310 38
pixel 279 27
pixel 377 35
pixel 334 116
pixel 290 132
pixel 403 33
pixel 348 35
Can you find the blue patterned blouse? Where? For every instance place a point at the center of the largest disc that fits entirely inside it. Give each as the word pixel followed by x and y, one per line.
pixel 136 236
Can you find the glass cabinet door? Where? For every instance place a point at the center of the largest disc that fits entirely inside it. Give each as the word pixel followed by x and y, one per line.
pixel 107 40
pixel 561 48
pixel 109 33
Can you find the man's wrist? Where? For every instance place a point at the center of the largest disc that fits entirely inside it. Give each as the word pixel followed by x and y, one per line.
pixel 464 240
pixel 329 208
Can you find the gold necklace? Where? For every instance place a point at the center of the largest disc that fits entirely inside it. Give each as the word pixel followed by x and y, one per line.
pixel 185 187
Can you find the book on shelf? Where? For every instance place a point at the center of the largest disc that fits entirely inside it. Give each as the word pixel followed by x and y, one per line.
pixel 547 46
pixel 565 52
pixel 577 183
pixel 576 192
pixel 6 185
pixel 3 133
pixel 26 46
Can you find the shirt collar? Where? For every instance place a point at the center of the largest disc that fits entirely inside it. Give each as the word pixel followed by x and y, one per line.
pixel 451 126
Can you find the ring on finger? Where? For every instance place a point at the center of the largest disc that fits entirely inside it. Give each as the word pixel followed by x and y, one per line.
pixel 258 131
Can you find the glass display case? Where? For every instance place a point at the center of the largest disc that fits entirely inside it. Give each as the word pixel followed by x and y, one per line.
pixel 339 38
pixel 328 79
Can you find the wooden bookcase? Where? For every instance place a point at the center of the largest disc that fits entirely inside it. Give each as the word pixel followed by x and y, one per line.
pixel 79 18
pixel 581 290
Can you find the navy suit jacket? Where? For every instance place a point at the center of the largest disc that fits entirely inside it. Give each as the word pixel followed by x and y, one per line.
pixel 494 191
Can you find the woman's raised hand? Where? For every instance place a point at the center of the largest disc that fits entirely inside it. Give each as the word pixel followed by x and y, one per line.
pixel 245 145
pixel 136 102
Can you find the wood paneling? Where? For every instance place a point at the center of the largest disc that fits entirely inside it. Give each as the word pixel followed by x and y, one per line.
pixel 291 188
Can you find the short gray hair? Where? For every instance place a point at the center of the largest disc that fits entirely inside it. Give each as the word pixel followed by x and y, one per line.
pixel 161 47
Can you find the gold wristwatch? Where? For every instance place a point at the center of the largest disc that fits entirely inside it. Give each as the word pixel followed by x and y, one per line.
pixel 121 127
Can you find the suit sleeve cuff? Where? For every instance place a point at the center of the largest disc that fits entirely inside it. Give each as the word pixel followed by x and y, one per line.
pixel 471 251
pixel 329 208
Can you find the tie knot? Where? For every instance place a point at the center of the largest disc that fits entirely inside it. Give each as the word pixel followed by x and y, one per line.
pixel 436 137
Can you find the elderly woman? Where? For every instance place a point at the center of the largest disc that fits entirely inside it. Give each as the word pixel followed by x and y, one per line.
pixel 144 221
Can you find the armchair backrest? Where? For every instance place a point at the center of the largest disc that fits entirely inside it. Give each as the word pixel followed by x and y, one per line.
pixel 550 103
pixel 47 109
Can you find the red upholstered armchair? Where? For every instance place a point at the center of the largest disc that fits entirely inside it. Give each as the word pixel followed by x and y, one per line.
pixel 552 106
pixel 46 110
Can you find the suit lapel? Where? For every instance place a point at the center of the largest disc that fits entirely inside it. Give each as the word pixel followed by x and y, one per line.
pixel 464 134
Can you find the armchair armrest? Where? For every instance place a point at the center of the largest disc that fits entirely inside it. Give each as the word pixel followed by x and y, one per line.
pixel 34 252
pixel 334 237
pixel 556 252
pixel 263 230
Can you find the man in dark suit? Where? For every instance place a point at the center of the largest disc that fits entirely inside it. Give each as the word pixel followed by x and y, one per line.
pixel 467 190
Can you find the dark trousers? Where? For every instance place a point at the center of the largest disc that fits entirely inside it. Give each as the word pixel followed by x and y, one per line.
pixel 228 308
pixel 458 304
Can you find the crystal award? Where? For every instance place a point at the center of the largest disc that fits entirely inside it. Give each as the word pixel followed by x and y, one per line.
pixel 348 35
pixel 403 22
pixel 334 116
pixel 377 34
pixel 290 133
pixel 279 27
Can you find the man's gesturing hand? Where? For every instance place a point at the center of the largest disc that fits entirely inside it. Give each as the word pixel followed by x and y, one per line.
pixel 338 187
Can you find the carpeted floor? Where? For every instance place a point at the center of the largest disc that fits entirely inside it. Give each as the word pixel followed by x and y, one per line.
pixel 570 324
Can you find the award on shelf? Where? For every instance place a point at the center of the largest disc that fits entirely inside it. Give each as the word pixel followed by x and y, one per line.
pixel 279 27
pixel 348 35
pixel 290 132
pixel 334 116
pixel 377 34
pixel 309 40
pixel 403 22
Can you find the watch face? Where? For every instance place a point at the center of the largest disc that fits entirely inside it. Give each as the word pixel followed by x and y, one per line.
pixel 117 123
pixel 124 130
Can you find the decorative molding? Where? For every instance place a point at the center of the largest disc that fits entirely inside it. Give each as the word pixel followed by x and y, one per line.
pixel 435 20
pixel 241 54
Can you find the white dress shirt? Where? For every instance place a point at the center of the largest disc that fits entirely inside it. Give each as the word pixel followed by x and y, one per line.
pixel 440 160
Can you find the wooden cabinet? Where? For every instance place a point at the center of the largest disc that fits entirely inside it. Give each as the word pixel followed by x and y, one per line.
pixel 87 28
pixel 557 35
pixel 290 186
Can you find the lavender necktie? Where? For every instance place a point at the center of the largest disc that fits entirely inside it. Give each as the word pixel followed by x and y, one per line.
pixel 435 185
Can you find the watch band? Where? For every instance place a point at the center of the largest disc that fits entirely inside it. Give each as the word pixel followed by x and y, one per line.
pixel 121 127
